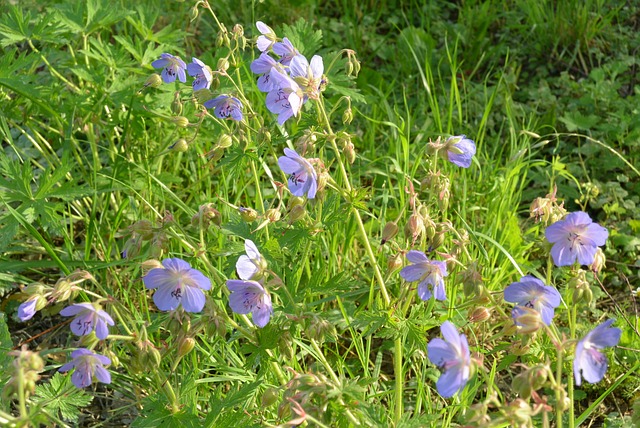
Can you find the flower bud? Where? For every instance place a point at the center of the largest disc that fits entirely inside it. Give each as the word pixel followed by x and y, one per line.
pixel 223 64
pixel 206 215
pixel 295 201
pixel 390 230
pixel 527 319
pixel 273 215
pixel 153 81
pixel 471 279
pixel 284 345
pixel 269 397
pixel 248 214
pixel 599 261
pixel 347 116
pixel 479 314
pixel 414 227
pixel 151 264
pixel 144 228
pixel 176 105
pixel 296 213
pixel 224 141
pixel 186 345
pixel 520 412
pixel 350 152
pixel 181 122
pixel 203 95
pixel 522 386
pixel 89 341
pixel 216 154
pixel 394 263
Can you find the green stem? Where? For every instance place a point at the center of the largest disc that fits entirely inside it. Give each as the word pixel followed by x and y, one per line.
pixel 559 403
pixel 53 70
pixel 397 369
pixel 354 210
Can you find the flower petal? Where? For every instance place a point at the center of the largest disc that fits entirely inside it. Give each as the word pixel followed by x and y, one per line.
pixel 193 299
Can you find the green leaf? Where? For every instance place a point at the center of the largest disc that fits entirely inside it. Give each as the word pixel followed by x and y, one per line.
pixel 304 37
pixel 60 398
pixel 6 344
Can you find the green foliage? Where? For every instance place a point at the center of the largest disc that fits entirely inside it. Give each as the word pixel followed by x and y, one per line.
pixel 60 399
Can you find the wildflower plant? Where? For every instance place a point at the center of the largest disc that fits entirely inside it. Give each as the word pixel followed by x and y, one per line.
pixel 331 315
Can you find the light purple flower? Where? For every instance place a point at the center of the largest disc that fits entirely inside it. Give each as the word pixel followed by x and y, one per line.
pixel 588 359
pixel 268 37
pixel 287 97
pixel 27 309
pixel 452 356
pixel 302 176
pixel 307 75
pixel 263 65
pixel 87 365
pixel 575 237
pixel 251 265
pixel 250 296
pixel 201 72
pixel 532 293
pixel 285 50
pixel 428 272
pixel 460 150
pixel 173 66
pixel 225 107
pixel 88 319
pixel 178 283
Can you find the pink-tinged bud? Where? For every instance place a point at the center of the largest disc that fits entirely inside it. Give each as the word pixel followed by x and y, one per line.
pixel 479 314
pixel 248 214
pixel 527 319
pixel 207 215
pixel 186 345
pixel 180 121
pixel 153 81
pixel 238 30
pixel 394 263
pixel 599 261
pixel 414 227
pixel 390 230
pixel 273 215
pixel 350 152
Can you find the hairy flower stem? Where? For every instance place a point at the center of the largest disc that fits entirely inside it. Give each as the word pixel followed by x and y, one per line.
pixel 559 401
pixel 354 210
pixel 398 372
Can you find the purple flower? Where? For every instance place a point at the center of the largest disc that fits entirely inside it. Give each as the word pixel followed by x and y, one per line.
pixel 173 66
pixel 302 177
pixel 178 283
pixel 201 72
pixel 428 272
pixel 250 296
pixel 88 319
pixel 226 107
pixel 307 75
pixel 263 65
pixel 287 97
pixel 589 360
pixel 575 237
pixel 285 50
pixel 451 355
pixel 268 37
pixel 28 309
pixel 87 365
pixel 460 150
pixel 532 293
pixel 251 265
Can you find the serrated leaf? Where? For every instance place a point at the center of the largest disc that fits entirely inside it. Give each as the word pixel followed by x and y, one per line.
pixel 6 344
pixel 59 398
pixel 304 37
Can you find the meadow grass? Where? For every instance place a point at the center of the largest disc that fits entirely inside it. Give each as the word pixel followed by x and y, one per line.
pixel 96 164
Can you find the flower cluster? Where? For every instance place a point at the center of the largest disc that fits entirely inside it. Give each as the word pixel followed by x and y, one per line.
pixel 289 79
pixel 224 106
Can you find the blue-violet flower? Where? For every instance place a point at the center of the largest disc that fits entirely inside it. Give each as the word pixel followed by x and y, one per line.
pixel 460 150
pixel 88 319
pixel 173 67
pixel 268 37
pixel 202 74
pixel 250 296
pixel 178 283
pixel 588 359
pixel 225 107
pixel 532 293
pixel 576 237
pixel 302 176
pixel 251 265
pixel 452 356
pixel 87 365
pixel 428 272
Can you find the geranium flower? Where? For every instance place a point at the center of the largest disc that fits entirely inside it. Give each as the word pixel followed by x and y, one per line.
pixel 251 265
pixel 263 65
pixel 250 296
pixel 532 293
pixel 302 176
pixel 87 365
pixel 268 37
pixel 589 361
pixel 178 283
pixel 88 319
pixel 226 107
pixel 460 150
pixel 28 309
pixel 576 237
pixel 452 356
pixel 428 272
pixel 307 75
pixel 285 50
pixel 173 67
pixel 287 97
pixel 201 72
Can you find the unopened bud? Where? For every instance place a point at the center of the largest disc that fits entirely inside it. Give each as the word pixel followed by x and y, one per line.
pixel 295 201
pixel 296 213
pixel 472 280
pixel 89 341
pixel 390 230
pixel 269 397
pixel 186 345
pixel 144 228
pixel 527 319
pixel 479 314
pixel 350 152
pixel 273 215
pixel 223 64
pixel 347 116
pixel 153 81
pixel 151 264
pixel 180 146
pixel 248 214
pixel 180 121
pixel 436 241
pixel 520 412
pixel 216 154
pixel 225 141
pixel 394 263
pixel 599 261
pixel 203 95
pixel 414 227
pixel 176 105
